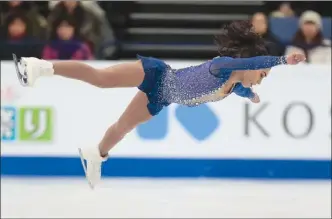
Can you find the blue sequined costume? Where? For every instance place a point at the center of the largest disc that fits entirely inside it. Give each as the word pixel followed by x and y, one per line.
pixel 199 84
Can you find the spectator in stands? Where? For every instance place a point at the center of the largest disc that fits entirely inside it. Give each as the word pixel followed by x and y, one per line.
pixel 310 41
pixel 17 28
pixel 91 19
pixel 37 22
pixel 65 41
pixel 91 6
pixel 284 10
pixel 261 26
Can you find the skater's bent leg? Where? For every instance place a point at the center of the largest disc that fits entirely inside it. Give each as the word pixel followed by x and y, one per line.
pixel 129 74
pixel 136 113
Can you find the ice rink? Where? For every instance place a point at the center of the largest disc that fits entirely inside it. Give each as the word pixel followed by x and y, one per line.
pixel 127 198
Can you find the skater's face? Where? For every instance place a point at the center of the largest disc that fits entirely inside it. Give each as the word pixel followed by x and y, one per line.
pixel 254 77
pixel 17 28
pixel 65 31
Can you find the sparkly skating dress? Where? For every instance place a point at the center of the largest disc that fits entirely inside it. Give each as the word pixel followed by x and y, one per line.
pixel 199 84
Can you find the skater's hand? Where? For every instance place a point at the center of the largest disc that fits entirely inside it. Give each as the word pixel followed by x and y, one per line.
pixel 295 58
pixel 255 99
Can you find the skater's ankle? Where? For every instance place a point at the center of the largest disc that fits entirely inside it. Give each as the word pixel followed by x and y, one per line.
pixel 102 153
pixel 48 68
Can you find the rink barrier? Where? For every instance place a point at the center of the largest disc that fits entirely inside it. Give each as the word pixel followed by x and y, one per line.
pixel 172 168
pixel 286 136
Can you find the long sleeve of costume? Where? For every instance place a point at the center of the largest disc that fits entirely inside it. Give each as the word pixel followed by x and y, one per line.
pixel 203 83
pixel 221 65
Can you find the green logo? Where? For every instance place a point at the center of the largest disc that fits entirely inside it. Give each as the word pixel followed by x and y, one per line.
pixel 35 124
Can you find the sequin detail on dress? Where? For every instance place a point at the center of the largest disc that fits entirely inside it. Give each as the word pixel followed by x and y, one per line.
pixel 199 84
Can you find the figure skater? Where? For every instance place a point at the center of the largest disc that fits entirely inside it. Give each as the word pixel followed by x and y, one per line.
pixel 243 62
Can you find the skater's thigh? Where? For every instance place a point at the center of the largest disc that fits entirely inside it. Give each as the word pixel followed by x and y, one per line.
pixel 135 113
pixel 130 74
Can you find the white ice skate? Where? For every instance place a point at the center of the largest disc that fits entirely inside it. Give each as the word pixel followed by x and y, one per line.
pixel 92 166
pixel 28 69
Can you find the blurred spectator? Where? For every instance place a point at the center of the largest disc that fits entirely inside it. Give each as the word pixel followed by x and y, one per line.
pixel 284 10
pixel 91 20
pixel 65 41
pixel 37 23
pixel 261 26
pixel 17 28
pixel 309 39
pixel 91 6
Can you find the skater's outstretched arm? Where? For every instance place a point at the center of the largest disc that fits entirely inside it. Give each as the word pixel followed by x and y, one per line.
pixel 227 64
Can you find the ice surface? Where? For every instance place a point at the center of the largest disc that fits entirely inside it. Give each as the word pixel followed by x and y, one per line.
pixel 125 198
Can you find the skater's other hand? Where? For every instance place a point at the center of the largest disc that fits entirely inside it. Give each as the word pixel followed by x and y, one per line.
pixel 255 99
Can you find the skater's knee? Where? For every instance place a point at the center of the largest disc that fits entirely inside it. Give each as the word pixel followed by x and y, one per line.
pixel 95 78
pixel 104 79
pixel 99 79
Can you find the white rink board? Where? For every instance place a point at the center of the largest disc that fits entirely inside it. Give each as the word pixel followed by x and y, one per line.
pixel 82 113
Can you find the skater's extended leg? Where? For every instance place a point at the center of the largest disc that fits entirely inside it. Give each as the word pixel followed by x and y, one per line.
pixel 130 74
pixel 136 113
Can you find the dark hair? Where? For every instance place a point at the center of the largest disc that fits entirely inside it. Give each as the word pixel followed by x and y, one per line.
pixel 78 13
pixel 68 19
pixel 16 15
pixel 238 40
pixel 23 5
